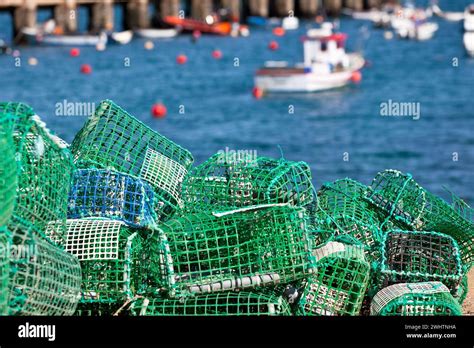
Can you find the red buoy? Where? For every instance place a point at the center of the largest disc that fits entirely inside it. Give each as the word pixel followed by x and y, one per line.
pixel 75 52
pixel 273 45
pixel 181 59
pixel 217 54
pixel 158 110
pixel 257 93
pixel 279 31
pixel 196 34
pixel 86 69
pixel 356 77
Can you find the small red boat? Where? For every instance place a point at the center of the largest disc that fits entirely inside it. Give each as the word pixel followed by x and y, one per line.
pixel 217 28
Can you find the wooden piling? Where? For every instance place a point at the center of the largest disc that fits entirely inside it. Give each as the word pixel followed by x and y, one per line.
pixel 356 5
pixel 200 9
pixel 333 7
pixel 102 16
pixel 308 8
pixel 259 8
pixel 137 14
pixel 167 8
pixel 24 16
pixel 234 7
pixel 374 3
pixel 283 8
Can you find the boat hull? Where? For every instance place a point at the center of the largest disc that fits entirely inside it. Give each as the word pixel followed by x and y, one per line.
pixel 468 40
pixel 157 33
pixel 34 38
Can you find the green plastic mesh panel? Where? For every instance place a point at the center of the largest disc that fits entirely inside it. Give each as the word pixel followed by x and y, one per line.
pixel 43 279
pixel 4 269
pixel 415 299
pixel 109 194
pixel 411 257
pixel 339 283
pixel 462 290
pixel 8 169
pixel 44 167
pixel 221 183
pixel 342 209
pixel 219 304
pixel 404 200
pixel 112 138
pixel 211 252
pixel 109 255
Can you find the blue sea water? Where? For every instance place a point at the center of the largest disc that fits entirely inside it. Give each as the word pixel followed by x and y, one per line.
pixel 339 133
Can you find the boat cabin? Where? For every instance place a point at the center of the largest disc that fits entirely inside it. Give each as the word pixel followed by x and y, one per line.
pixel 322 47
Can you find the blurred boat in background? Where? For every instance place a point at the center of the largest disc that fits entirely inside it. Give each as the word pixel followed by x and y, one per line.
pixel 121 37
pixel 449 16
pixel 468 40
pixel 39 36
pixel 290 23
pixel 469 18
pixel 154 34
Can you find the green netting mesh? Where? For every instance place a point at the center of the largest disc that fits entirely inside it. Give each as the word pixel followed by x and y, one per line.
pixel 8 169
pixel 227 303
pixel 223 183
pixel 415 299
pixel 210 252
pixel 43 279
pixel 112 138
pixel 462 290
pixel 342 210
pixel 411 257
pixel 43 169
pixel 109 255
pixel 4 269
pixel 339 283
pixel 405 201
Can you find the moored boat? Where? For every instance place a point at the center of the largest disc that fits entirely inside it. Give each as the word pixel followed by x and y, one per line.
pixel 157 33
pixel 468 40
pixel 469 18
pixel 36 36
pixel 326 65
pixel 210 26
pixel 121 38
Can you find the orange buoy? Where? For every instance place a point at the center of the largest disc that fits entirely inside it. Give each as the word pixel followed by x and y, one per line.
pixel 181 59
pixel 319 19
pixel 75 52
pixel 278 31
pixel 257 93
pixel 273 45
pixel 196 35
pixel 217 54
pixel 86 69
pixel 158 110
pixel 356 77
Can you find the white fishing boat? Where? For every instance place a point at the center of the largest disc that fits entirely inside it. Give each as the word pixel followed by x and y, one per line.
pixel 121 38
pixel 153 34
pixel 37 36
pixel 290 23
pixel 414 28
pixel 468 40
pixel 326 65
pixel 469 18
pixel 449 16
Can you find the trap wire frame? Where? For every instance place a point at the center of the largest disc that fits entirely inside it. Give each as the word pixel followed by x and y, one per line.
pixel 245 248
pixel 404 200
pixel 8 169
pixel 417 256
pixel 109 194
pixel 43 279
pixel 339 283
pixel 4 269
pixel 113 138
pixel 43 169
pixel 230 303
pixel 109 253
pixel 342 209
pixel 223 183
pixel 415 299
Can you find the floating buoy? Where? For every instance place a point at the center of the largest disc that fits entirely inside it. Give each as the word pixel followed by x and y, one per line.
pixel 279 31
pixel 388 35
pixel 86 69
pixel 181 59
pixel 196 35
pixel 32 61
pixel 149 45
pixel 319 19
pixel 75 52
pixel 257 93
pixel 273 45
pixel 356 77
pixel 217 54
pixel 158 110
pixel 100 47
pixel 16 53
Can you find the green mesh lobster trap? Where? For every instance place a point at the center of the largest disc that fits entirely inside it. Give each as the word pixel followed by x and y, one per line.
pixel 8 169
pixel 342 210
pixel 412 256
pixel 109 255
pixel 223 183
pixel 4 269
pixel 113 195
pixel 230 303
pixel 254 246
pixel 415 299
pixel 406 202
pixel 43 168
pixel 42 279
pixel 339 283
pixel 112 138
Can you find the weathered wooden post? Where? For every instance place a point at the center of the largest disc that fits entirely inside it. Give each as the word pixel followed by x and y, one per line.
pixel 356 5
pixel 24 16
pixel 332 7
pixel 200 9
pixel 374 3
pixel 284 8
pixel 167 8
pixel 102 16
pixel 65 16
pixel 234 8
pixel 137 14
pixel 259 8
pixel 308 8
